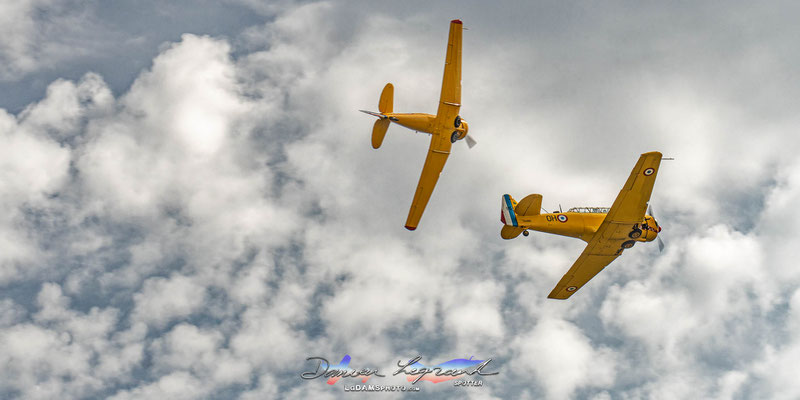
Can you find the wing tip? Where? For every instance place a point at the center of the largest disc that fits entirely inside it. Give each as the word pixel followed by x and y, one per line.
pixel 456 21
pixel 411 228
pixel 562 293
pixel 559 296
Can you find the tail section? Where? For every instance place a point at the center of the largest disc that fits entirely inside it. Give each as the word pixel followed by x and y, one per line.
pixel 529 206
pixel 386 102
pixel 507 214
pixel 385 105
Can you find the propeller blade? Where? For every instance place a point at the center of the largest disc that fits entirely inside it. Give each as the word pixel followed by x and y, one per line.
pixel 660 242
pixel 470 141
pixel 652 214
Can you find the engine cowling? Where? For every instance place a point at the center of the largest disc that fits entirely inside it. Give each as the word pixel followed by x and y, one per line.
pixel 462 130
pixel 649 235
pixel 650 230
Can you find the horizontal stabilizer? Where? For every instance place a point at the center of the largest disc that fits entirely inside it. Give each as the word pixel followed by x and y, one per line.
pixel 529 206
pixel 379 132
pixel 510 232
pixel 387 99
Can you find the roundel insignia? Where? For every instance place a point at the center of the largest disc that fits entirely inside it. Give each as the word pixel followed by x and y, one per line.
pixel 562 218
pixel 572 288
pixel 649 171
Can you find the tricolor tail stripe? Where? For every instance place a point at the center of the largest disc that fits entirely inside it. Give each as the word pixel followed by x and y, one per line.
pixel 508 211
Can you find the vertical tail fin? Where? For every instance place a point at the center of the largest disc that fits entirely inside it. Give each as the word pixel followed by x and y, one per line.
pixel 507 214
pixel 508 217
pixel 386 103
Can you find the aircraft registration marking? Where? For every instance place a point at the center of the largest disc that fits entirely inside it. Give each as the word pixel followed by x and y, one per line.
pixel 559 218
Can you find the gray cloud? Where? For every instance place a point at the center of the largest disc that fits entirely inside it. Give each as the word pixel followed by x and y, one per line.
pixel 200 230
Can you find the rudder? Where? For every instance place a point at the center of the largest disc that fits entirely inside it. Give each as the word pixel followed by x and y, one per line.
pixel 507 214
pixel 509 218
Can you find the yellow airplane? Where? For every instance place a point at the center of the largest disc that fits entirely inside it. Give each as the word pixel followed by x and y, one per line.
pixel 445 128
pixel 608 231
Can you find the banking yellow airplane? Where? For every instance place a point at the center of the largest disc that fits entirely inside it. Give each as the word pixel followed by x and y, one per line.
pixel 445 128
pixel 608 231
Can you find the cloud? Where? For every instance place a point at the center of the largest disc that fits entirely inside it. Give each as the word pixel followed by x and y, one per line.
pixel 104 173
pixel 563 359
pixel 161 300
pixel 201 232
pixel 62 352
pixel 186 347
pixel 67 105
pixel 33 168
pixel 16 45
pixel 39 33
pixel 176 385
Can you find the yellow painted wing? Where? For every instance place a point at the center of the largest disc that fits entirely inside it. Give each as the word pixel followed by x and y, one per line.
pixel 605 246
pixel 450 99
pixel 449 104
pixel 631 203
pixel 434 163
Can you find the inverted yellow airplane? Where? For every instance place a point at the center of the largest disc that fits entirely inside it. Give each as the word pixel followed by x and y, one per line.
pixel 445 128
pixel 608 231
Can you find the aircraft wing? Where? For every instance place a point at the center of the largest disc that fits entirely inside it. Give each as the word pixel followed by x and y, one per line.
pixel 450 99
pixel 605 246
pixel 434 163
pixel 449 104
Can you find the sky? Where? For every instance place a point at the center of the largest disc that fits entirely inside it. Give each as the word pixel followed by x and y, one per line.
pixel 192 207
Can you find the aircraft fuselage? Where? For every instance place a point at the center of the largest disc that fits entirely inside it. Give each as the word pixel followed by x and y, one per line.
pixel 415 121
pixel 581 225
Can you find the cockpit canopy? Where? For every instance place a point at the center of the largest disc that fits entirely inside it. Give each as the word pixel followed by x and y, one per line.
pixel 593 210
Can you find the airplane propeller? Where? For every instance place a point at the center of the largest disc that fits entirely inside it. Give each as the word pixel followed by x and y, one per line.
pixel 660 242
pixel 470 141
